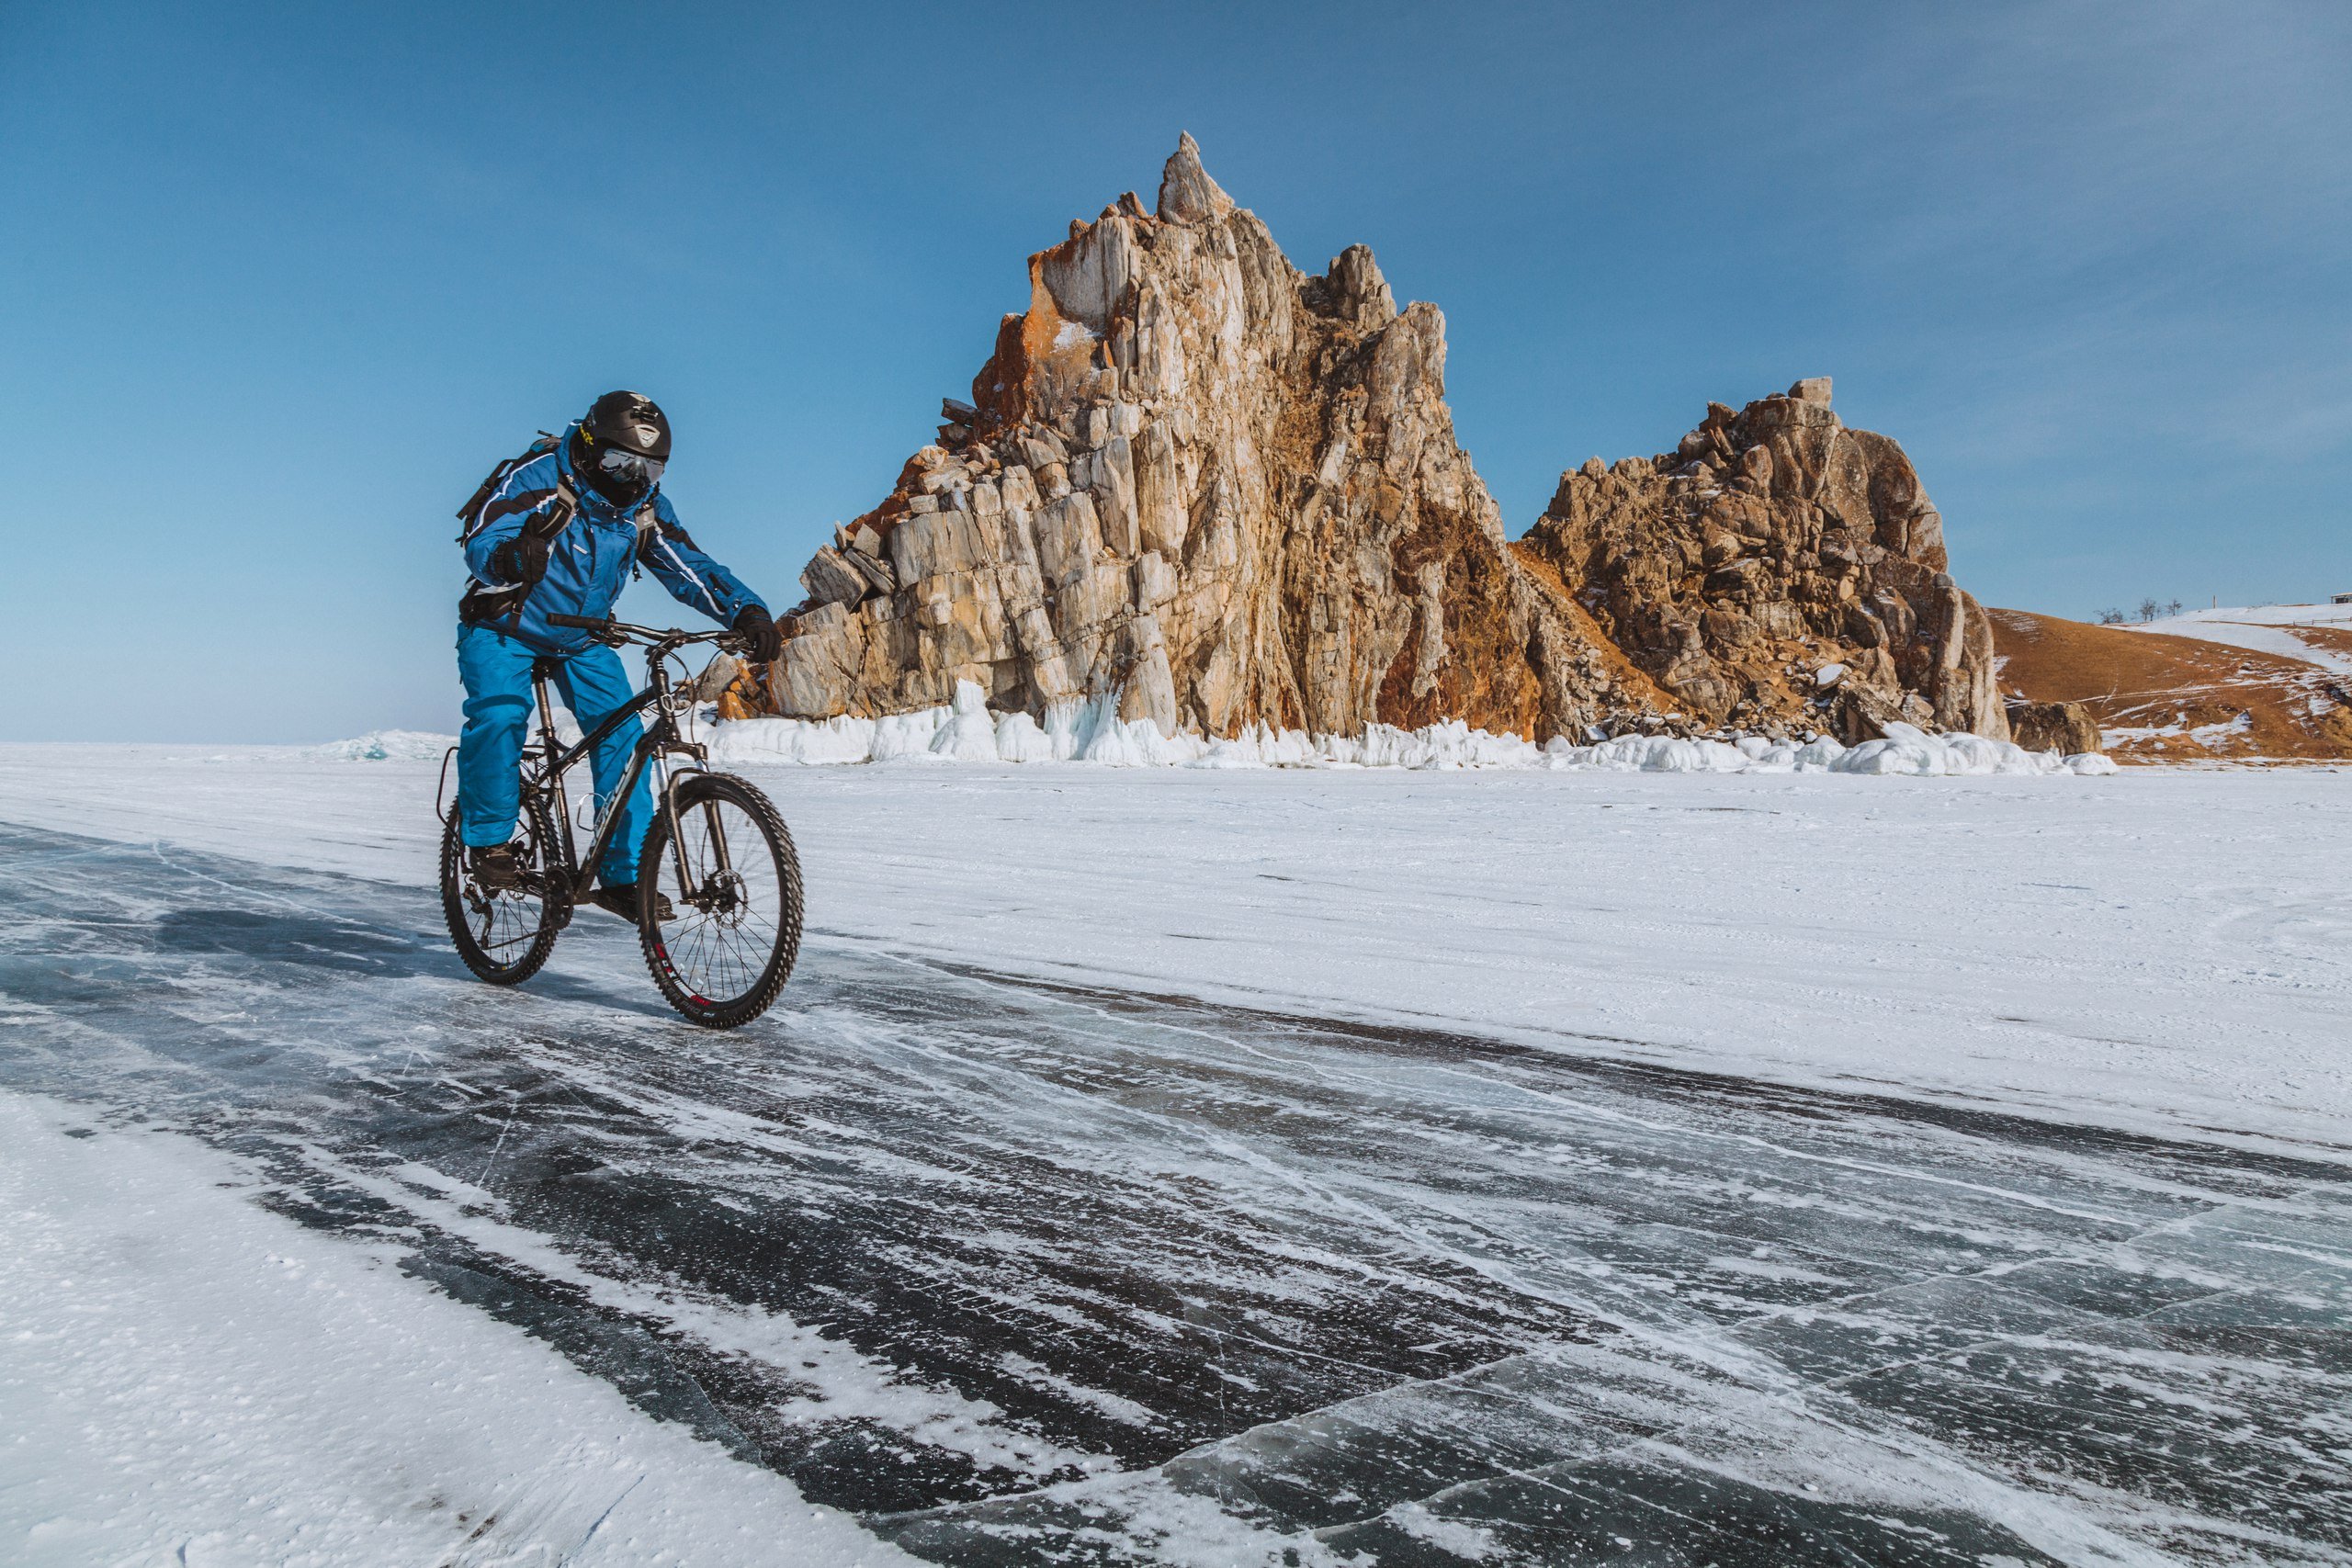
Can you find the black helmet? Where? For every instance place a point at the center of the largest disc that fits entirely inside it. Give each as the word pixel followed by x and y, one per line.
pixel 622 446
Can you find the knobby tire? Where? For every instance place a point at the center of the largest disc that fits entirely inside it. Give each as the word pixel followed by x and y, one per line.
pixel 698 944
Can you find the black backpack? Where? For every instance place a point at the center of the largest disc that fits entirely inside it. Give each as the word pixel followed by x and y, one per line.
pixel 483 601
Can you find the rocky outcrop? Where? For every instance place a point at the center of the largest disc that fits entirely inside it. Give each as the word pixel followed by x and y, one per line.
pixel 2066 729
pixel 1197 486
pixel 1777 568
pixel 1219 490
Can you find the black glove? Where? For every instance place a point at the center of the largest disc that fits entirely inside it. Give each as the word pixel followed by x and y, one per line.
pixel 522 558
pixel 755 627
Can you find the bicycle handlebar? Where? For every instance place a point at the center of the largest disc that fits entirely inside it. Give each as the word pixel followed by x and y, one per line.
pixel 615 633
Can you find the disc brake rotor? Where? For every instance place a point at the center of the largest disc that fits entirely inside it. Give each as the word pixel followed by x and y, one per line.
pixel 723 897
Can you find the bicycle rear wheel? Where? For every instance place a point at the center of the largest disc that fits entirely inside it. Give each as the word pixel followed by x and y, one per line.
pixel 733 880
pixel 505 936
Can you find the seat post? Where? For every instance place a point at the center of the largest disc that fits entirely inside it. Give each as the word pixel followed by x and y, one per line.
pixel 542 670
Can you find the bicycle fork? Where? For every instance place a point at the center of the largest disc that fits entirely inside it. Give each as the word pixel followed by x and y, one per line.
pixel 722 866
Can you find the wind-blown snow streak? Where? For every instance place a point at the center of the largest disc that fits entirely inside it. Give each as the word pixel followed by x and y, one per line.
pixel 185 1378
pixel 2163 951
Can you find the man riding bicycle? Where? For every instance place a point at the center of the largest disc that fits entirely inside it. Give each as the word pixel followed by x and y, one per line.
pixel 560 531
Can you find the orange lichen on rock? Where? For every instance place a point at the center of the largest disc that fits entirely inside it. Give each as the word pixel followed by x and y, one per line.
pixel 1199 481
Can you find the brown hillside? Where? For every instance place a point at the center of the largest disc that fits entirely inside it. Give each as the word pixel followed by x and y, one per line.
pixel 2173 699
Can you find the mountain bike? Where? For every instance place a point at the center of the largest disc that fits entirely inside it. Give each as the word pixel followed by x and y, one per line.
pixel 717 847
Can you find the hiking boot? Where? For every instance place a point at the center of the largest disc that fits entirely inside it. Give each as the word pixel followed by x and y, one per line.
pixel 622 901
pixel 493 868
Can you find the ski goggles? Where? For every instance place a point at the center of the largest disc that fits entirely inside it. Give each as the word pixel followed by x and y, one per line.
pixel 630 465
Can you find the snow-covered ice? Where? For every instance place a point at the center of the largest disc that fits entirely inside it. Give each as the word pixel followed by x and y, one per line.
pixel 188 1378
pixel 968 731
pixel 1241 1165
pixel 385 746
pixel 2164 950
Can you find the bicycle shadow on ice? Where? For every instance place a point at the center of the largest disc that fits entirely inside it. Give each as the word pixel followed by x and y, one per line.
pixel 317 941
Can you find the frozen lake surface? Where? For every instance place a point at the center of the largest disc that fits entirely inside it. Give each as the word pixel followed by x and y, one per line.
pixel 1017 1267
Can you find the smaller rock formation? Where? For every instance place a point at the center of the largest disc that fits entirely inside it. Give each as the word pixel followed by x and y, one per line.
pixel 2066 729
pixel 1775 557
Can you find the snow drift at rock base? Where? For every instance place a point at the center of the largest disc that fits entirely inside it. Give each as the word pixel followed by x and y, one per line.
pixel 1092 731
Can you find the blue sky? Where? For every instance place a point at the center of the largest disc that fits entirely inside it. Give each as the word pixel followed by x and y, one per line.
pixel 278 284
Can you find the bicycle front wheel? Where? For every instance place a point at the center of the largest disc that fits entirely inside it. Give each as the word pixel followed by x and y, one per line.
pixel 733 882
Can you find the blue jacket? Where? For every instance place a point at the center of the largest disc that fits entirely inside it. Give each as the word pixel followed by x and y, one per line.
pixel 591 560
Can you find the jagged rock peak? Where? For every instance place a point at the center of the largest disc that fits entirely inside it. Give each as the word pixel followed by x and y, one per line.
pixel 1358 293
pixel 1201 485
pixel 1187 194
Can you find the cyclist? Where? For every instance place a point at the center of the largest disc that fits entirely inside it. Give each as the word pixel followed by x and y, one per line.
pixel 560 530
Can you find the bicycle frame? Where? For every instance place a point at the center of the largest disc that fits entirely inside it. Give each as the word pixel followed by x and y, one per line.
pixel 660 741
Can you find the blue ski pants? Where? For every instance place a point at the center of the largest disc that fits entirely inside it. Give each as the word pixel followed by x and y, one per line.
pixel 497 670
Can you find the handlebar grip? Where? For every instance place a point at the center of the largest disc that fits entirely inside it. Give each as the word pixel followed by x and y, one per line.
pixel 582 622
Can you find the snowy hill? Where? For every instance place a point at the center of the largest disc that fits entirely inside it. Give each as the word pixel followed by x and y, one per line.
pixel 2317 634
